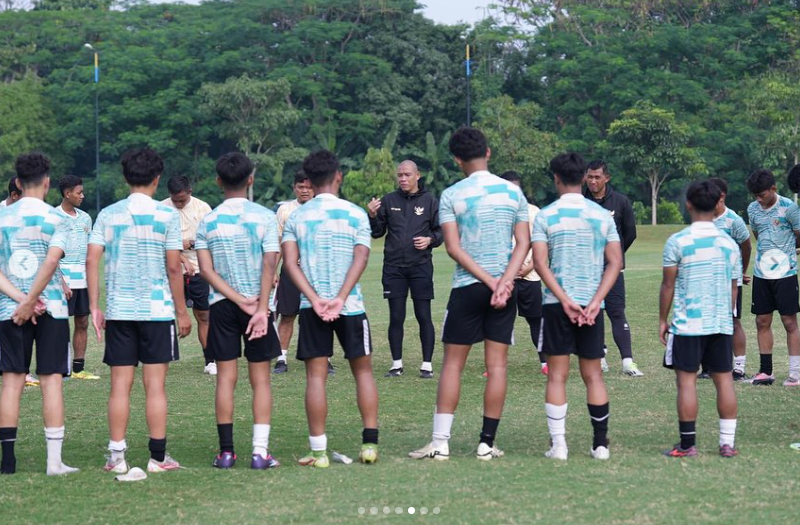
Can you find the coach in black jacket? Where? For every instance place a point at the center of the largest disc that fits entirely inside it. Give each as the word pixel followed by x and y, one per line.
pixel 409 217
pixel 599 191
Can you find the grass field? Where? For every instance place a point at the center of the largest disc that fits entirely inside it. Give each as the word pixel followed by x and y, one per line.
pixel 637 485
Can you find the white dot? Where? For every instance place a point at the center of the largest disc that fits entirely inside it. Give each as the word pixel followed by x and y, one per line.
pixel 411 510
pixel 373 510
pixel 398 510
pixel 361 510
pixel 436 510
pixel 386 510
pixel 423 510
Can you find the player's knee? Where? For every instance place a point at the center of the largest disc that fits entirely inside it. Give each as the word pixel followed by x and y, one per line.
pixel 82 323
pixel 789 322
pixel 202 316
pixel 763 322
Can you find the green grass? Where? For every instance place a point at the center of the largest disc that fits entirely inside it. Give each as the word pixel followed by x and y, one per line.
pixel 636 486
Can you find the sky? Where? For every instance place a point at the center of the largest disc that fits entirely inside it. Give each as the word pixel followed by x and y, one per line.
pixel 442 11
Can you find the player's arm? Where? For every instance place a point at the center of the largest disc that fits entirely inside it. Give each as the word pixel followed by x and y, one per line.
pixel 436 229
pixel 541 262
pixel 93 254
pixel 175 276
pixel 522 236
pixel 8 289
pixel 747 249
pixel 628 233
pixel 670 274
pixel 210 275
pixel 27 307
pixel 357 267
pixel 452 243
pixel 259 323
pixel 378 219
pixel 613 257
pixel 291 261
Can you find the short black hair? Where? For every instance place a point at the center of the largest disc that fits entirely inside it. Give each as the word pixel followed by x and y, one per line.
pixel 320 167
pixel 760 180
pixel 233 169
pixel 703 195
pixel 794 179
pixel 597 164
pixel 178 184
pixel 12 187
pixel 141 166
pixel 511 176
pixel 32 168
pixel 300 177
pixel 468 144
pixel 570 168
pixel 722 184
pixel 68 182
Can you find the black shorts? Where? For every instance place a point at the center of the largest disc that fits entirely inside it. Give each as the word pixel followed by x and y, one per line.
pixel 287 296
pixel 226 329
pixel 150 342
pixel 737 313
pixel 470 319
pixel 79 303
pixel 688 353
pixel 316 336
pixel 52 346
pixel 775 294
pixel 398 280
pixel 529 298
pixel 560 337
pixel 196 291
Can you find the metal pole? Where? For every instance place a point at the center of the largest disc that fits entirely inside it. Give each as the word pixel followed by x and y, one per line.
pixel 469 89
pixel 97 131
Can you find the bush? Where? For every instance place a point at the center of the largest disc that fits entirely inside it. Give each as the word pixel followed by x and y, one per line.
pixel 669 213
pixel 641 213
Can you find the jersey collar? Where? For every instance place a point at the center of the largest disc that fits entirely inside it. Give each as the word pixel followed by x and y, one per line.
pixel 572 197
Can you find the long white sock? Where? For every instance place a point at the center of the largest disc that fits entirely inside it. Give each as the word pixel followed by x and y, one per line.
pixel 261 439
pixel 55 439
pixel 727 431
pixel 427 366
pixel 739 362
pixel 557 423
pixel 397 363
pixel 318 443
pixel 117 449
pixel 794 366
pixel 282 357
pixel 442 423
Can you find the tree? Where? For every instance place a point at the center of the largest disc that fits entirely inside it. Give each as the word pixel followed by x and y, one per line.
pixel 772 101
pixel 651 143
pixel 375 179
pixel 256 114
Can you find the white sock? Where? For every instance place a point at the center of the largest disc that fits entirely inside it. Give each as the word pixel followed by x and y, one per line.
pixel 398 363
pixel 727 431
pixel 261 439
pixel 282 357
pixel 117 449
pixel 794 366
pixel 55 439
pixel 426 366
pixel 739 362
pixel 318 443
pixel 605 351
pixel 442 423
pixel 626 362
pixel 544 365
pixel 557 423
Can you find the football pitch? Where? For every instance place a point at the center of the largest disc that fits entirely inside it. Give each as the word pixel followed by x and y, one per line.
pixel 637 485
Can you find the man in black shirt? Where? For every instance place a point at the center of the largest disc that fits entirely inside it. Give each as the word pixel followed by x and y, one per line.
pixel 599 191
pixel 409 217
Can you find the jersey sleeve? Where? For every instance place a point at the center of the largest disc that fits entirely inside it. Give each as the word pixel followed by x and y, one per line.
pixel 270 243
pixel 522 209
pixel 739 231
pixel 290 229
pixel 446 212
pixel 793 217
pixel 736 260
pixel 672 253
pixel 98 235
pixel 174 238
pixel 60 236
pixel 539 233
pixel 612 235
pixel 364 232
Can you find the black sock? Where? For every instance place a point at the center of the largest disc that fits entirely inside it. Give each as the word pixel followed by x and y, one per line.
pixel 158 449
pixel 489 430
pixel 766 364
pixel 225 432
pixel 688 434
pixel 599 415
pixel 77 365
pixel 369 435
pixel 8 436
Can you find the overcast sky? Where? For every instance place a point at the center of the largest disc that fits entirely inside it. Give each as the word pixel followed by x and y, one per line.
pixel 444 11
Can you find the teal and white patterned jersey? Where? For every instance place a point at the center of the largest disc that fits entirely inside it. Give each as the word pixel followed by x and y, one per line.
pixel 238 233
pixel 136 233
pixel 485 209
pixel 327 229
pixel 28 229
pixel 775 245
pixel 73 265
pixel 576 231
pixel 708 261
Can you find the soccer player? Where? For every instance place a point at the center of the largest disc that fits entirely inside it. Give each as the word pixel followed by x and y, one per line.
pixel 141 239
pixel 287 295
pixel 599 191
pixel 33 310
pixel 775 221
pixel 14 193
pixel 195 289
pixel 73 268
pixel 701 272
pixel 479 216
pixel 528 283
pixel 573 240
pixel 409 217
pixel 326 246
pixel 729 222
pixel 237 247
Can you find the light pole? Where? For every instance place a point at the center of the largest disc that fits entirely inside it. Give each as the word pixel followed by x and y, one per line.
pixel 469 87
pixel 96 126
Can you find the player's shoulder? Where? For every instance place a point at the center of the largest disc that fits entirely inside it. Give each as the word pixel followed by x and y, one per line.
pixel 682 236
pixel 257 210
pixel 753 208
pixel 354 209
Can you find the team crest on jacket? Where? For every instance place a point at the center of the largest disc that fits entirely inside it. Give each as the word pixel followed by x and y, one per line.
pixel 419 210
